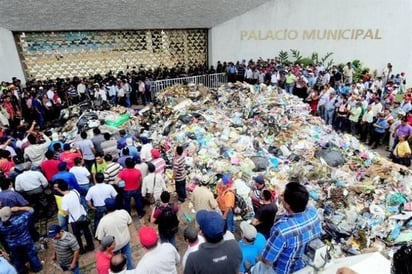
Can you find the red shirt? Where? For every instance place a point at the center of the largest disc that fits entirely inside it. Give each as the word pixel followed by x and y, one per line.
pixel 103 262
pixel 68 157
pixel 132 178
pixel 5 166
pixel 50 168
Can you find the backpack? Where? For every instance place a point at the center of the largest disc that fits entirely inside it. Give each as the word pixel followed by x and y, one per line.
pixel 241 208
pixel 167 221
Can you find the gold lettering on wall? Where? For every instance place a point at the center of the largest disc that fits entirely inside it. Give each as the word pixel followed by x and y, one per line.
pixel 311 34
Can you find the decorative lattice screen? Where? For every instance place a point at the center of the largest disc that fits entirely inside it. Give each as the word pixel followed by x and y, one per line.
pixel 48 55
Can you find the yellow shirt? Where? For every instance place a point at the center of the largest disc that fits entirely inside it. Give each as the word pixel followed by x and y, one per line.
pixel 59 204
pixel 402 149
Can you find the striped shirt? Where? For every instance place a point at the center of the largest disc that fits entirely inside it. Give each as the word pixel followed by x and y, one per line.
pixel 65 248
pixel 288 239
pixel 179 167
pixel 111 172
pixel 160 165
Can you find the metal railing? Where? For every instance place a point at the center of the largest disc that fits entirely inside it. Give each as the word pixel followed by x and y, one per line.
pixel 208 80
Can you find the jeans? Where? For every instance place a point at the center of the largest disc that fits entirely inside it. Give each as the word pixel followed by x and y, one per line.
pixel 230 223
pixel 75 271
pixel 126 251
pixel 20 254
pixel 329 116
pixel 181 190
pixel 289 88
pixel 98 215
pixel 166 239
pixel 63 221
pixel 83 193
pixel 137 196
pixel 78 228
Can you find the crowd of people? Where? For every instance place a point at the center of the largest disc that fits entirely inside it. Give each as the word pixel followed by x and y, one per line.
pixel 96 176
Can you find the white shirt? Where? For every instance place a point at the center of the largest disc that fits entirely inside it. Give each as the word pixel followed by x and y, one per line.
pixel 71 203
pixel 115 223
pixel 81 88
pixel 162 259
pixel 29 180
pixel 102 94
pixel 150 185
pixel 50 94
pixel 99 192
pixel 191 249
pixel 145 152
pixel 82 174
pixel 376 108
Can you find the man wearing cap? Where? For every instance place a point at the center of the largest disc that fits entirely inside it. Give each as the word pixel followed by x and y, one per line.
pixel 226 201
pixel 66 249
pixel 251 245
pixel 256 192
pixel 104 254
pixel 158 162
pixel 215 256
pixel 14 229
pixel 202 196
pixel 116 223
pixel 158 258
pixel 145 152
pixel 284 251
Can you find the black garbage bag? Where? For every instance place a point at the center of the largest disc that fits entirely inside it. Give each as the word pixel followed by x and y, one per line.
pixel 261 163
pixel 332 157
pixel 185 118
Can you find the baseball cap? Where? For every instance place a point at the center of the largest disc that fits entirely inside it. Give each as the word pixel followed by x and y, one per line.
pixel 53 231
pixel 106 242
pixel 110 204
pixel 248 230
pixel 155 153
pixel 259 179
pixel 211 223
pixel 226 179
pixel 5 213
pixel 147 236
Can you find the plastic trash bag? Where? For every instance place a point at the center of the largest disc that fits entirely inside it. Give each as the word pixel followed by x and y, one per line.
pixel 261 163
pixel 332 157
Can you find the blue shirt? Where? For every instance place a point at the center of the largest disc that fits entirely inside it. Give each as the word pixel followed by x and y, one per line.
pixel 16 232
pixel 6 267
pixel 251 252
pixel 383 123
pixel 69 178
pixel 288 239
pixel 12 198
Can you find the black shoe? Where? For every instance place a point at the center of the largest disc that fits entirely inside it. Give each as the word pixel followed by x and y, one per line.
pixel 89 248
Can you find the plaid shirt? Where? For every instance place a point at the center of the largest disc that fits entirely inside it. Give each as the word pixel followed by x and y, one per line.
pixel 288 238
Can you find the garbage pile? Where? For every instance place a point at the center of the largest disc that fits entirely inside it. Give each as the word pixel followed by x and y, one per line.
pixel 243 130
